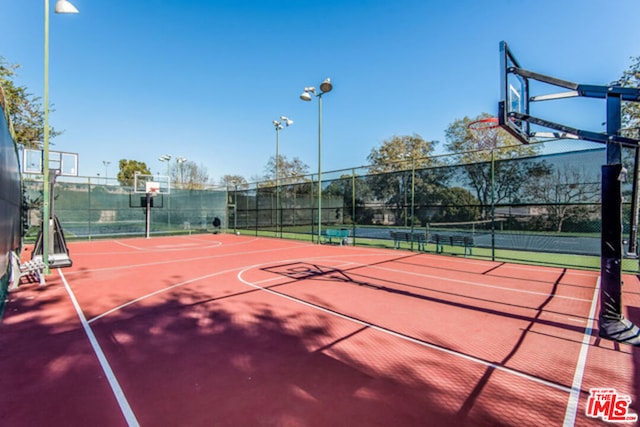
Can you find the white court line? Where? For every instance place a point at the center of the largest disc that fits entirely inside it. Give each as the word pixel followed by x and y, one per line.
pixel 169 248
pixel 118 242
pixel 483 285
pixel 404 337
pixel 574 390
pixel 127 412
pixel 186 282
pixel 308 259
pixel 576 386
pixel 159 291
pixel 172 261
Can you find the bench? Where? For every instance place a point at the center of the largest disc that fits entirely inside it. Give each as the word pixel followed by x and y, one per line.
pixel 407 236
pixel 452 240
pixel 34 269
pixel 341 235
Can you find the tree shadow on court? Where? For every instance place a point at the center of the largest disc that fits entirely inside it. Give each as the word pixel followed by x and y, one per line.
pixel 242 359
pixel 313 271
pixel 184 362
pixel 48 372
pixel 473 409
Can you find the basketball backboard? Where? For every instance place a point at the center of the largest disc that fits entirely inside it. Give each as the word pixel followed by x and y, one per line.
pixel 514 96
pixel 64 162
pixel 154 184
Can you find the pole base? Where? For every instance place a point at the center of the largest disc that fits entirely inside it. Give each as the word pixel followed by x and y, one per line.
pixel 620 330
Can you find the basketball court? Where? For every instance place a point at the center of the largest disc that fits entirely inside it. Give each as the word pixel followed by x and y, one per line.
pixel 236 330
pixel 230 330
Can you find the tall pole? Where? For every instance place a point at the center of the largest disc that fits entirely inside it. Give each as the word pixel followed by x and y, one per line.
pixel 319 167
pixel 106 171
pixel 283 122
pixel 353 204
pixel 167 158
pixel 493 204
pixel 413 196
pixel 325 87
pixel 277 185
pixel 46 213
pixel 611 322
pixel 47 236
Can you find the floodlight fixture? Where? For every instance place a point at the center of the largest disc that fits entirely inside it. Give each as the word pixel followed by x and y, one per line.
pixel 326 85
pixel 287 121
pixel 64 6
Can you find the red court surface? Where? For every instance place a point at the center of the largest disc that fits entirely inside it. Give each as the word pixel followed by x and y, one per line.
pixel 226 330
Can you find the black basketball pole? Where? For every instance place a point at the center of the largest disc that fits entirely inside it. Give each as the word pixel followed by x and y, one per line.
pixel 633 217
pixel 612 324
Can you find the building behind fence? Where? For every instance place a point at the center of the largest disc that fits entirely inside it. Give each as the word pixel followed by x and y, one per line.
pixel 535 202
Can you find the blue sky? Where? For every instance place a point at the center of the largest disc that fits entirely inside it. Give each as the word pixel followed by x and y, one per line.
pixel 204 79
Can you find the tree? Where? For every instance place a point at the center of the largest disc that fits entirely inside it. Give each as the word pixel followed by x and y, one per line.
pixel 569 192
pixel 189 176
pixel 507 156
pixel 344 187
pixel 289 172
pixel 631 110
pixel 401 153
pixel 231 182
pixel 468 147
pixel 25 110
pixel 128 169
pixel 457 204
pixel 392 166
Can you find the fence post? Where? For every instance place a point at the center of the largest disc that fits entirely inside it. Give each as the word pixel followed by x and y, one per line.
pixel 493 206
pixel 413 194
pixel 353 206
pixel 89 206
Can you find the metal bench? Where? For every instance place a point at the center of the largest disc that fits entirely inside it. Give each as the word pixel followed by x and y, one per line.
pixel 452 240
pixel 465 241
pixel 33 268
pixel 341 235
pixel 407 236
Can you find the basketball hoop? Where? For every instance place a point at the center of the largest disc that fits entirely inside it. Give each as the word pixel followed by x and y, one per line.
pixel 485 132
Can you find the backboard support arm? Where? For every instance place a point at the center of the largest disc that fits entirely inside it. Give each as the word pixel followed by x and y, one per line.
pixel 514 116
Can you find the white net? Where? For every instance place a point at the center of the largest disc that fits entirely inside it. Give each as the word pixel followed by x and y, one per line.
pixel 485 133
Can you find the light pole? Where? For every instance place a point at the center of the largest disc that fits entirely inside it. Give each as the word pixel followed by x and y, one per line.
pixel 180 161
pixel 106 171
pixel 284 122
pixel 167 158
pixel 62 6
pixel 325 87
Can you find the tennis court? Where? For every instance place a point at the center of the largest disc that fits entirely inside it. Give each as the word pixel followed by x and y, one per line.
pixel 231 330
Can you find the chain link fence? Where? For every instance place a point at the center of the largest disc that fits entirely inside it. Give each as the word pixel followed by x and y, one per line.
pixel 536 204
pixel 97 208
